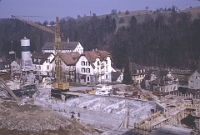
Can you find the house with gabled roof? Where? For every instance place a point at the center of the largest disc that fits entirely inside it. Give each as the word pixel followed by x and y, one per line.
pixel 42 62
pixel 117 76
pixel 194 80
pixel 138 72
pixel 5 66
pixel 66 47
pixel 94 67
pixel 15 69
pixel 160 81
pixel 68 63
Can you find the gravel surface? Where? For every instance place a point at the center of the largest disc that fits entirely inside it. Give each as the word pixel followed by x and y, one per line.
pixel 35 120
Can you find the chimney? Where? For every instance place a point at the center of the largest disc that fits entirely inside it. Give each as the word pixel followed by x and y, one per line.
pixel 68 40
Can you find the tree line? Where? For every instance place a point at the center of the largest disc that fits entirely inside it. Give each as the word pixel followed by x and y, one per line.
pixel 165 41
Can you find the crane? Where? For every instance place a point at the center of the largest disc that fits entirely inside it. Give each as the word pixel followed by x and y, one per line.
pixel 60 84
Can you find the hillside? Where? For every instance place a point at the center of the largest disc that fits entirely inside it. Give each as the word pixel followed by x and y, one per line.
pixel 141 14
pixel 152 38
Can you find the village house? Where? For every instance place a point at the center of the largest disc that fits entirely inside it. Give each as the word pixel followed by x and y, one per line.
pixel 15 66
pixel 138 73
pixel 94 67
pixel 194 80
pixel 160 81
pixel 42 62
pixel 4 69
pixel 68 62
pixel 66 47
pixel 15 69
pixel 117 76
pixel 4 65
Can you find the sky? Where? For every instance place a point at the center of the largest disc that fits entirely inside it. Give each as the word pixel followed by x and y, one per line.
pixel 41 10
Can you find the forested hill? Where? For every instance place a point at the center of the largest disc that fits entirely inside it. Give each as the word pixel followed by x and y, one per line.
pixel 161 38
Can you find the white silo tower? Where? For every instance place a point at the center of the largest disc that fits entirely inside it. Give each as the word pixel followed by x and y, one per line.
pixel 26 60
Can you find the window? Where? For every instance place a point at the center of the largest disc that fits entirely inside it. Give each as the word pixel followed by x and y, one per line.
pixel 83 70
pixel 191 82
pixel 88 78
pixel 98 63
pixel 83 63
pixel 106 68
pixel 88 70
pixel 39 67
pixel 88 63
pixel 47 67
pixel 106 76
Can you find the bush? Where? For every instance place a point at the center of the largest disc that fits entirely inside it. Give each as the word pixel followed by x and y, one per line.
pixel 127 12
pixel 121 20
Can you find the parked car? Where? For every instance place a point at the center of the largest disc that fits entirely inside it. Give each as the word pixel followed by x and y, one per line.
pixel 102 92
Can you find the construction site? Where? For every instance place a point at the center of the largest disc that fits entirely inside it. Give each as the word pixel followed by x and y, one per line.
pixel 54 107
pixel 97 114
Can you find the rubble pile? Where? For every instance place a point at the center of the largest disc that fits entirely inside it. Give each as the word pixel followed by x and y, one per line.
pixel 36 119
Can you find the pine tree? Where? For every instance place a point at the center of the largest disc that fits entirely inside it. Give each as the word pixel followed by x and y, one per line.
pixel 127 79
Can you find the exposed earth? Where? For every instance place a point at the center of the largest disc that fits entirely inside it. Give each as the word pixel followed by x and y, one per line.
pixel 28 119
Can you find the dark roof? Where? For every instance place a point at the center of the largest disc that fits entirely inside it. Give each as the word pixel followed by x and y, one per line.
pixel 158 73
pixel 70 58
pixel 115 76
pixel 198 70
pixel 161 73
pixel 160 82
pixel 40 57
pixel 148 76
pixel 134 66
pixel 3 65
pixel 65 45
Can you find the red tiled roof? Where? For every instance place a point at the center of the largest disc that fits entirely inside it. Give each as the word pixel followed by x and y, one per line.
pixel 93 55
pixel 69 58
pixel 39 55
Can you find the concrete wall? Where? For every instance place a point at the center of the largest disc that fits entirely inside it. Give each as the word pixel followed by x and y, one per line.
pixel 99 119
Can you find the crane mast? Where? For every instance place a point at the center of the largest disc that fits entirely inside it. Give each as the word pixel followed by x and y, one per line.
pixel 60 83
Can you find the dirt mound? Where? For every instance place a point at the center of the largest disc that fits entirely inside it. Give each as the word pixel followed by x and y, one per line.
pixel 37 120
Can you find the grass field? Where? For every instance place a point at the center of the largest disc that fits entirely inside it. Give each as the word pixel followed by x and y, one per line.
pixel 141 14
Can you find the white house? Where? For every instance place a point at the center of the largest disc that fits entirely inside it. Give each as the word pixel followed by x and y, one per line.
pixel 138 72
pixel 15 66
pixel 160 81
pixel 42 62
pixel 94 67
pixel 68 63
pixel 66 47
pixel 194 80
